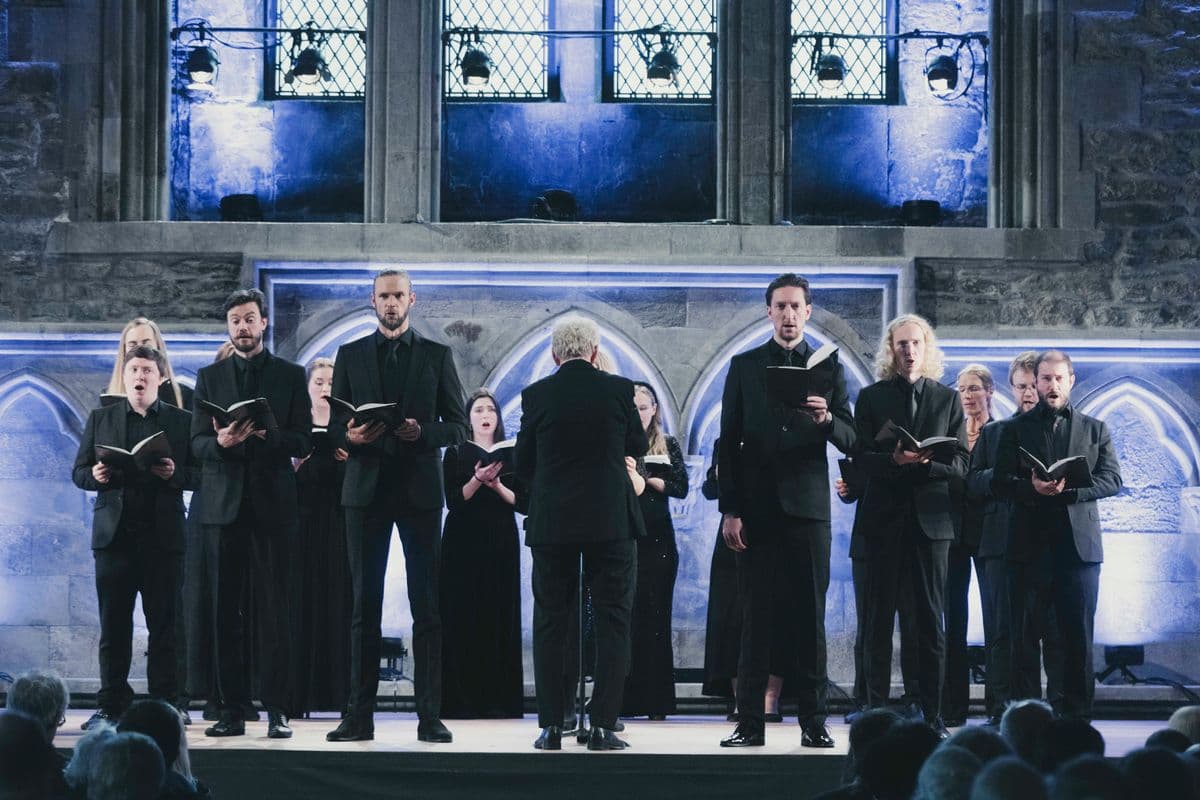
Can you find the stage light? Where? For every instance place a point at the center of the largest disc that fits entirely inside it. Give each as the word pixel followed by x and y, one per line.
pixel 831 70
pixel 663 68
pixel 202 63
pixel 942 74
pixel 1119 658
pixel 309 67
pixel 476 67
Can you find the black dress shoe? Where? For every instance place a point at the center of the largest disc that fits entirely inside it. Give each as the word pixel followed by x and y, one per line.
pixel 227 727
pixel 550 739
pixel 351 729
pixel 605 739
pixel 182 708
pixel 432 730
pixel 939 727
pixel 776 717
pixel 277 726
pixel 992 721
pixel 745 736
pixel 815 734
pixel 100 717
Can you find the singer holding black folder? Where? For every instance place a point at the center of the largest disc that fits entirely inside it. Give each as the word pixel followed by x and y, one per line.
pixel 393 478
pixel 774 498
pixel 248 510
pixel 903 524
pixel 1055 545
pixel 137 531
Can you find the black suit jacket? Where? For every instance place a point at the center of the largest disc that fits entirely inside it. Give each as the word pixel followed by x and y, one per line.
pixel 774 459
pixel 264 465
pixel 577 427
pixel 890 488
pixel 108 426
pixel 993 538
pixel 1032 514
pixel 432 395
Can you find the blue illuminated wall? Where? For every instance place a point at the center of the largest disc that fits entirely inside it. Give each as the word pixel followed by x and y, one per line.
pixel 856 164
pixel 302 159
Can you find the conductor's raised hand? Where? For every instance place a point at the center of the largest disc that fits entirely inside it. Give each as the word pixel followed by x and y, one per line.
pixel 731 532
pixel 234 433
pixel 366 433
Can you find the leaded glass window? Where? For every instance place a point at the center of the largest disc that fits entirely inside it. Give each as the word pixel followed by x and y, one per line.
pixel 345 54
pixel 517 61
pixel 694 54
pixel 867 62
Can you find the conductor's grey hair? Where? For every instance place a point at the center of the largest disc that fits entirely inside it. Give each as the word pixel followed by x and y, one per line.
pixel 576 338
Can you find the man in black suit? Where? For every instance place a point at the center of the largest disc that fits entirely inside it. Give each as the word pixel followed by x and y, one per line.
pixel 394 477
pixel 248 509
pixel 579 432
pixel 774 500
pixel 137 531
pixel 1055 545
pixel 904 518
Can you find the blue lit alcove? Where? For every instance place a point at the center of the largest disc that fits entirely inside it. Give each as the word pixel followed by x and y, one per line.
pixel 302 158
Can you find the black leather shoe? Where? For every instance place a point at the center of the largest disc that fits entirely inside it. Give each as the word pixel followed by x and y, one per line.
pixel 95 720
pixel 992 721
pixel 745 736
pixel 277 726
pixel 352 729
pixel 182 708
pixel 550 739
pixel 939 727
pixel 227 727
pixel 776 717
pixel 815 734
pixel 432 730
pixel 605 739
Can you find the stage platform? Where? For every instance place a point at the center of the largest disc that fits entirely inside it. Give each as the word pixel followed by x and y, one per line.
pixel 678 757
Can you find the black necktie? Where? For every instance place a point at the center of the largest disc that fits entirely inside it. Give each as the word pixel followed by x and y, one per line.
pixel 912 406
pixel 391 373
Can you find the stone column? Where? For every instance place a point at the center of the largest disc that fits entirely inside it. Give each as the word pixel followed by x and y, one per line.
pixel 402 169
pixel 134 100
pixel 754 111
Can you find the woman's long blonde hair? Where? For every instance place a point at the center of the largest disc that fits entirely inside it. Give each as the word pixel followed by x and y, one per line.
pixel 885 358
pixel 115 383
pixel 658 442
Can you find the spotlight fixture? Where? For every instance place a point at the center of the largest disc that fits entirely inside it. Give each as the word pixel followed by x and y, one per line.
pixel 831 70
pixel 202 63
pixel 309 68
pixel 476 67
pixel 663 68
pixel 942 75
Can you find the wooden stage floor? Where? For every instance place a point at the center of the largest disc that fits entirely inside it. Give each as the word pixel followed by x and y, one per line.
pixel 678 757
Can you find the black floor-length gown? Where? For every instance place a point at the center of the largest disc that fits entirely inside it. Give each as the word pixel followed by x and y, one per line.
pixel 322 597
pixel 480 600
pixel 650 685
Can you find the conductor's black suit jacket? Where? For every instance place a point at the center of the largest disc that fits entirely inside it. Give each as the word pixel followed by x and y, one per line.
pixel 577 427
pixel 890 488
pixel 773 460
pixel 431 394
pixel 107 426
pixel 1089 437
pixel 262 467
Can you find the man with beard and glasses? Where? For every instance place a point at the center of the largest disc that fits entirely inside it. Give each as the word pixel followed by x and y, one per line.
pixel 248 509
pixel 394 477
pixel 1055 545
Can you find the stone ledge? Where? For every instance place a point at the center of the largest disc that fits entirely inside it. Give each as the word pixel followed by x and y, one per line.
pixel 584 242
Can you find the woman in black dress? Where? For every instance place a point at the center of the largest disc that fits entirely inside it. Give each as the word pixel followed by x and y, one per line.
pixel 480 591
pixel 321 599
pixel 650 685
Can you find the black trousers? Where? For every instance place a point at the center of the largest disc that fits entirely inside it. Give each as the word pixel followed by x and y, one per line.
pixel 997 632
pixel 250 551
pixel 610 569
pixel 122 572
pixel 789 566
pixel 956 693
pixel 909 666
pixel 368 540
pixel 906 561
pixel 1055 580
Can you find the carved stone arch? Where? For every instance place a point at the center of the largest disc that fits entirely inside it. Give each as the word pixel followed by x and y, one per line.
pixel 530 360
pixel 26 382
pixel 703 407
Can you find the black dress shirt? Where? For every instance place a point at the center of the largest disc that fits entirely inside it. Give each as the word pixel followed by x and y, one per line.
pixel 1057 425
pixel 249 372
pixel 394 356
